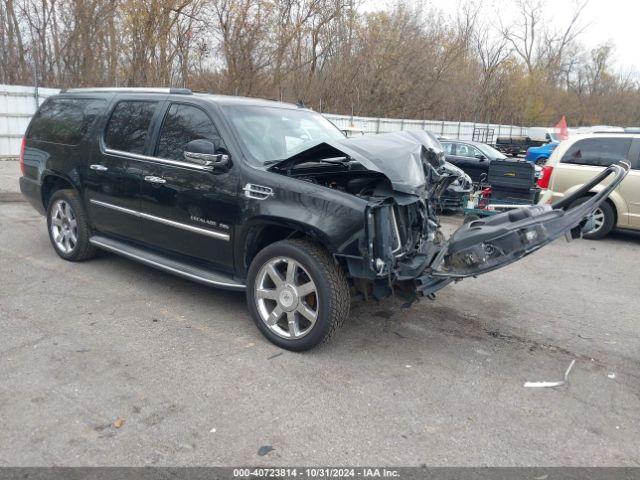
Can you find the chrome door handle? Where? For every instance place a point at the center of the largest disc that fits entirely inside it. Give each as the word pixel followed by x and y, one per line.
pixel 98 167
pixel 152 179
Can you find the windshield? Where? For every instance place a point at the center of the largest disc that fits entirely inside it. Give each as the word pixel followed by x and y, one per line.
pixel 491 152
pixel 271 133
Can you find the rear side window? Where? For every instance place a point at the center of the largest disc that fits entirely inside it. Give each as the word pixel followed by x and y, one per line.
pixel 448 147
pixel 65 120
pixel 182 124
pixel 597 152
pixel 128 127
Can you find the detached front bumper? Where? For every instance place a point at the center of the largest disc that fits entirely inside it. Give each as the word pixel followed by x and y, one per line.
pixel 475 248
pixel 494 242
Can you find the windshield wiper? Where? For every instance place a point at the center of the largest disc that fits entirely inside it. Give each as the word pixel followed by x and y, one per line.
pixel 332 160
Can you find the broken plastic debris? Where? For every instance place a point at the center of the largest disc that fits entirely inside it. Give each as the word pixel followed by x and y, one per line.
pixel 612 376
pixel 213 430
pixel 119 422
pixel 551 384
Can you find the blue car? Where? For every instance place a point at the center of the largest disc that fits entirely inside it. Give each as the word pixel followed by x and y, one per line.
pixel 539 155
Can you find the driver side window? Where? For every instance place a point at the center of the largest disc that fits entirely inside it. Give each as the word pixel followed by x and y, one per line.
pixel 464 150
pixel 183 124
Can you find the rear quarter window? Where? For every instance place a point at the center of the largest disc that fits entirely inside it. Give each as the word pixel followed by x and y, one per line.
pixel 65 120
pixel 128 127
pixel 597 152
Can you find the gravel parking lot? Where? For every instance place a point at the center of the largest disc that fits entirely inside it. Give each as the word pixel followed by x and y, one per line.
pixel 189 380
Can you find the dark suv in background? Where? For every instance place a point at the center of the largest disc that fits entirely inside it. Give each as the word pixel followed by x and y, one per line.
pixel 267 197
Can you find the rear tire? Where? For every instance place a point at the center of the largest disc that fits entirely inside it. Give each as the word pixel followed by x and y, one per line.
pixel 297 295
pixel 604 216
pixel 68 227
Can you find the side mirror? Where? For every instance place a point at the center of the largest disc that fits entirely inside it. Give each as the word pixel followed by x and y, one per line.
pixel 481 157
pixel 203 152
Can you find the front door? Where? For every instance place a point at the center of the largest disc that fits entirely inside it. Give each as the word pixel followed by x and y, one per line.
pixel 188 208
pixel 474 161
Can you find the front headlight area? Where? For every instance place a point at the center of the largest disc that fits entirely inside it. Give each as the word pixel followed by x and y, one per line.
pixel 395 233
pixel 480 257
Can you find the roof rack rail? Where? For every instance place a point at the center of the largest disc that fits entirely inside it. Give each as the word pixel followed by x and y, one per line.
pixel 177 91
pixel 614 132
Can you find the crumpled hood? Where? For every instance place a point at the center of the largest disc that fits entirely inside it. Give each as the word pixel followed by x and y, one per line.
pixel 398 155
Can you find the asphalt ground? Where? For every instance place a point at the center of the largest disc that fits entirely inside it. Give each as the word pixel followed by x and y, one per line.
pixel 109 362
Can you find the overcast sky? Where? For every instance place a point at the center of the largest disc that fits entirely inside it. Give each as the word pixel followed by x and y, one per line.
pixel 615 21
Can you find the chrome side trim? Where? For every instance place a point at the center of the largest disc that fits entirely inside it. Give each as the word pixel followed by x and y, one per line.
pixel 174 163
pixel 171 223
pixel 161 266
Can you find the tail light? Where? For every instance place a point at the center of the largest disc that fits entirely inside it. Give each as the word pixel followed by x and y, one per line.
pixel 543 182
pixel 22 147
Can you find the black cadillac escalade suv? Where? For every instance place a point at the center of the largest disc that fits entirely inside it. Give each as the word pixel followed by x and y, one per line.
pixel 266 197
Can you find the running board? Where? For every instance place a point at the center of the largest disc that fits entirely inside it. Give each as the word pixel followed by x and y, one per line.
pixel 181 269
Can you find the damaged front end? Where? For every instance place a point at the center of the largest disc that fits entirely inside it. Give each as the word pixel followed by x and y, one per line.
pixel 401 176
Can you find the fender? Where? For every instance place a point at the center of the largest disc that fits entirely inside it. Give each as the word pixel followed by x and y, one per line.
pixel 250 231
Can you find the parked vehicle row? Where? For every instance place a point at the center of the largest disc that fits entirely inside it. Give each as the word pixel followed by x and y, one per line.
pixel 268 198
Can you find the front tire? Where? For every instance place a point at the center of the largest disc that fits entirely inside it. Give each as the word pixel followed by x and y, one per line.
pixel 68 226
pixel 604 218
pixel 297 295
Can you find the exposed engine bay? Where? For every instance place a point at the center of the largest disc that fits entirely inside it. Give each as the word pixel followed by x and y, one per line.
pixel 401 228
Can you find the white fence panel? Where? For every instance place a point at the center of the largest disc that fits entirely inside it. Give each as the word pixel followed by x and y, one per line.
pixel 18 104
pixel 461 130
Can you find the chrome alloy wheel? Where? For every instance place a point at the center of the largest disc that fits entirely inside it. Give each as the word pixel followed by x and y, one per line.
pixel 286 298
pixel 64 226
pixel 597 219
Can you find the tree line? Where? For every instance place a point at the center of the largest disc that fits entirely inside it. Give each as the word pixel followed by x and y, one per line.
pixel 407 61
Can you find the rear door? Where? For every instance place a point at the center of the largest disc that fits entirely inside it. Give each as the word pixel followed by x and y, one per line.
pixel 630 188
pixel 189 209
pixel 113 173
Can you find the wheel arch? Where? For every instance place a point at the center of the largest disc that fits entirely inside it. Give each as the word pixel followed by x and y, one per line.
pixel 51 183
pixel 263 232
pixel 613 200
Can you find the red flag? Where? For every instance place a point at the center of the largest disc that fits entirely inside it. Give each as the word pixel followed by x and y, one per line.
pixel 562 132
